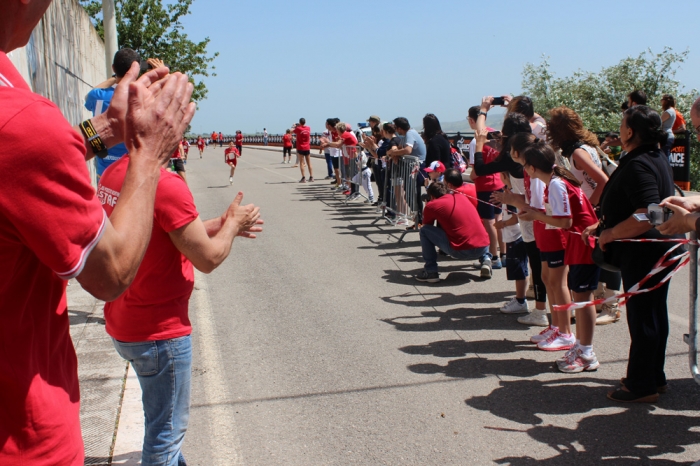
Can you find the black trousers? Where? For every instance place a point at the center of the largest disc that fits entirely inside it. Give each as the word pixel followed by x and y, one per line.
pixel 647 318
pixel 533 255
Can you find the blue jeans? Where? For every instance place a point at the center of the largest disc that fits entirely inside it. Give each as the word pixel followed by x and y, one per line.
pixel 164 370
pixel 432 237
pixel 329 164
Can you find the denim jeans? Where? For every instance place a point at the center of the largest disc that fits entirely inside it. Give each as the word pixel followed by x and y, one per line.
pixel 329 164
pixel 432 237
pixel 164 371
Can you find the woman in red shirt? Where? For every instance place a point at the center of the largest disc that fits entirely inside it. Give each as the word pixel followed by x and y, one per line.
pixel 287 147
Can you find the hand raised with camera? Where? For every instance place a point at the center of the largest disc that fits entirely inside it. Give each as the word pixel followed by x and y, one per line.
pixel 486 103
pixel 159 110
pixel 682 221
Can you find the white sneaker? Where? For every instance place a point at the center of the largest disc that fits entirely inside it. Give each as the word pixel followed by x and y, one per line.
pixel 537 318
pixel 557 342
pixel 230 180
pixel 609 315
pixel 543 335
pixel 486 270
pixel 514 307
pixel 569 357
pixel 579 363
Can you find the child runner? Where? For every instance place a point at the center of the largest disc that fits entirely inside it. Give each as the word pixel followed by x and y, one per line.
pixel 185 147
pixel 287 146
pixel 567 208
pixel 231 155
pixel 200 146
pixel 516 256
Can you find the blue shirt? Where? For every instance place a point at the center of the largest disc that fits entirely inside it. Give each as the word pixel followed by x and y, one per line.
pixel 415 140
pixel 97 102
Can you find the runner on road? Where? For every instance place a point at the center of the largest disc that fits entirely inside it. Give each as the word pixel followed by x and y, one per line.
pixel 231 155
pixel 200 146
pixel 239 142
pixel 303 134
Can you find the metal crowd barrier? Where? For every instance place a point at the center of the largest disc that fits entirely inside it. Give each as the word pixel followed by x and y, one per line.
pixel 351 171
pixel 401 191
pixel 692 337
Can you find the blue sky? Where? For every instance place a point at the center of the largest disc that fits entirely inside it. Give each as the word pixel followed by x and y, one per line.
pixel 283 60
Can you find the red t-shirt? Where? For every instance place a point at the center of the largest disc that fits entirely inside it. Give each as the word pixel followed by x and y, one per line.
pixel 469 190
pixel 303 137
pixel 349 144
pixel 565 200
pixel 49 222
pixel 176 153
pixel 287 140
pixel 460 220
pixel 232 155
pixel 239 139
pixel 155 306
pixel 489 182
pixel 213 137
pixel 200 143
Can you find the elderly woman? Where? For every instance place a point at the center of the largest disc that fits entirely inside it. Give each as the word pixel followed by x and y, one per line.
pixel 644 177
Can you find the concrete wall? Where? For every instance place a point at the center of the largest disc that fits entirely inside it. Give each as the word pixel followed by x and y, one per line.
pixel 63 60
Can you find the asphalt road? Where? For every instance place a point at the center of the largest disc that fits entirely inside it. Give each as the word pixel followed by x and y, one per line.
pixel 315 346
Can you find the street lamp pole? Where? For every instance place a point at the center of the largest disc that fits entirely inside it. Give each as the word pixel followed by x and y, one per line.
pixel 110 26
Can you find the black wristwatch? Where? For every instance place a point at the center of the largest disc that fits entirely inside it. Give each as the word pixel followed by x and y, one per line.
pixel 482 113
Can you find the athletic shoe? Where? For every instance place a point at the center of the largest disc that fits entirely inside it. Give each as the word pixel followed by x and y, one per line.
pixel 403 222
pixel 609 315
pixel 486 271
pixel 514 307
pixel 543 335
pixel 283 161
pixel 537 318
pixel 302 180
pixel 328 178
pixel 230 179
pixel 347 192
pixel 497 264
pixel 311 179
pixel 375 203
pixel 333 182
pixel 430 277
pixel 569 356
pixel 579 363
pixel 557 342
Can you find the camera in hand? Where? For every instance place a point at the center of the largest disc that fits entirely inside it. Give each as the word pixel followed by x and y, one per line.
pixel 656 215
pixel 498 101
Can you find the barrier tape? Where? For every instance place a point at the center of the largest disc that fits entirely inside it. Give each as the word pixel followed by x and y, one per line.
pixel 664 262
pixel 627 240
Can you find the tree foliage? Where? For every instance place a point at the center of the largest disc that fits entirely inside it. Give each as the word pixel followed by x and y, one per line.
pixel 597 96
pixel 155 31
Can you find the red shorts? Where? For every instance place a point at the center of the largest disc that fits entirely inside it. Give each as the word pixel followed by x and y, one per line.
pixel 232 161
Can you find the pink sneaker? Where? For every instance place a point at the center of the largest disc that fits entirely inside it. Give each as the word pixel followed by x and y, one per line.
pixel 543 335
pixel 579 363
pixel 557 342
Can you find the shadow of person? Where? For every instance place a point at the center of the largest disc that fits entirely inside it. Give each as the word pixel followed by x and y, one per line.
pixel 447 299
pixel 633 437
pixel 555 397
pixel 479 368
pixel 460 348
pixel 463 318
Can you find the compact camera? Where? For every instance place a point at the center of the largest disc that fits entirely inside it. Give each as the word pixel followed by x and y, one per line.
pixel 656 215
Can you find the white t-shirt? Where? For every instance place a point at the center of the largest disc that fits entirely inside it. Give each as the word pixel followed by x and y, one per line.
pixel 472 151
pixel 511 233
pixel 587 183
pixel 526 228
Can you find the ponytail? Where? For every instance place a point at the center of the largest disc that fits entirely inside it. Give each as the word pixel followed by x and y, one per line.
pixel 541 156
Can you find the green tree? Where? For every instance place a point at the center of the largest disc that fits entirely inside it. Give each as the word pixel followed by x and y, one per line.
pixel 156 31
pixel 597 96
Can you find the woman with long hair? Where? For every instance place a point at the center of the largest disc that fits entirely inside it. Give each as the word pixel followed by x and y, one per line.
pixel 580 146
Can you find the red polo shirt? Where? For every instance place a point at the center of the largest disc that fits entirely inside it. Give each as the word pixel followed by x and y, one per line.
pixel 50 220
pixel 155 306
pixel 458 217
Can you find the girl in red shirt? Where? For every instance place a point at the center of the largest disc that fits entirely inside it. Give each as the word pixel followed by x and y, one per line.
pixel 287 147
pixel 568 211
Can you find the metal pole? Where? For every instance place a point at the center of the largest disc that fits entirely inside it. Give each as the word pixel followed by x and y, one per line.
pixel 692 337
pixel 110 27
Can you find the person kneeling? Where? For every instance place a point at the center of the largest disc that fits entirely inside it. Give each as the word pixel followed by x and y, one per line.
pixel 459 233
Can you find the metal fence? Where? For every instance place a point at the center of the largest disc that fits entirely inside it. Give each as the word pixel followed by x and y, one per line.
pixel 401 204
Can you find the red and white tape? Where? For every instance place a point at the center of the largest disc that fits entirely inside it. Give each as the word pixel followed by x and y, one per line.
pixel 663 263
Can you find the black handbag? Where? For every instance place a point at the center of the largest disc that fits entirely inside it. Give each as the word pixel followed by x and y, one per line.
pixel 605 259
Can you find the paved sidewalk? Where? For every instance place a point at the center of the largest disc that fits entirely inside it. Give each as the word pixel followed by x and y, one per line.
pixel 101 372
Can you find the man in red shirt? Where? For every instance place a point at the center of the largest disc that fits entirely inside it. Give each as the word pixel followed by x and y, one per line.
pixel 214 137
pixel 231 158
pixel 149 323
pixel 239 142
pixel 459 233
pixel 303 134
pixel 53 228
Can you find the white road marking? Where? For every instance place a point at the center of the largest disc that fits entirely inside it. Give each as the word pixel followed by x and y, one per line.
pixel 223 440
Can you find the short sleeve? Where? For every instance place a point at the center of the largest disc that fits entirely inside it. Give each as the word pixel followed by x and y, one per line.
pixel 410 138
pixel 559 199
pixel 174 207
pixel 48 198
pixel 90 101
pixel 472 150
pixel 536 193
